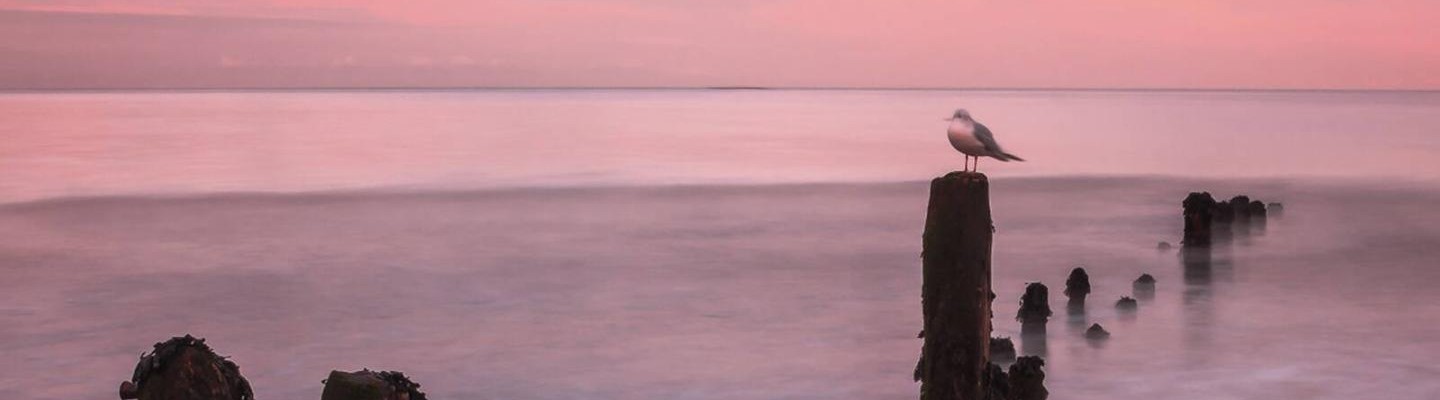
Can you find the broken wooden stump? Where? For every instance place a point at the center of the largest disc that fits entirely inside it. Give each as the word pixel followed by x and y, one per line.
pixel 1002 350
pixel 1027 379
pixel 370 385
pixel 1222 223
pixel 1077 286
pixel 1034 305
pixel 955 296
pixel 1259 218
pixel 184 368
pixel 1097 332
pixel 1276 210
pixel 1127 304
pixel 1144 287
pixel 1199 211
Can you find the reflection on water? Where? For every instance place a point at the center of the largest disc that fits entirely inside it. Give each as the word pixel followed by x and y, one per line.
pixel 805 292
pixel 1034 339
pixel 1075 317
pixel 155 142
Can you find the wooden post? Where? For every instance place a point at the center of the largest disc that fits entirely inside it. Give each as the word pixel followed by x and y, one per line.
pixel 1198 209
pixel 370 385
pixel 1241 206
pixel 955 357
pixel 184 368
pixel 1258 216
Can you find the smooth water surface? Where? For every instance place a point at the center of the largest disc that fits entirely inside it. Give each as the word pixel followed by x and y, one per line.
pixel 122 143
pixel 713 293
pixel 573 244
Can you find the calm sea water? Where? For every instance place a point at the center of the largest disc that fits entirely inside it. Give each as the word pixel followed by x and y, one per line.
pixel 124 143
pixel 477 240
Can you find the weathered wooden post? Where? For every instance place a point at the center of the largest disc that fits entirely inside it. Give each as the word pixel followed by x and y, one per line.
pixel 1144 287
pixel 370 385
pixel 1027 380
pixel 1033 315
pixel 1241 205
pixel 954 360
pixel 1222 223
pixel 1198 209
pixel 1077 286
pixel 1258 216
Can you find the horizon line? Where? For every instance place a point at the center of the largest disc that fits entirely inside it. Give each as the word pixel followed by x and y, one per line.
pixel 423 190
pixel 721 87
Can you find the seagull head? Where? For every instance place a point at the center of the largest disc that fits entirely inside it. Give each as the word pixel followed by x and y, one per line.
pixel 960 114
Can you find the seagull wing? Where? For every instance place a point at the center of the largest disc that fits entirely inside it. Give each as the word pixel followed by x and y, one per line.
pixel 988 139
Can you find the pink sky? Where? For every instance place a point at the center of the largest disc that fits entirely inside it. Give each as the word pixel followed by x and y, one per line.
pixel 1301 44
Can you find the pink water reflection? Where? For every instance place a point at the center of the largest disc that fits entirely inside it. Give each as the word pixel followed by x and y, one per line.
pixel 194 142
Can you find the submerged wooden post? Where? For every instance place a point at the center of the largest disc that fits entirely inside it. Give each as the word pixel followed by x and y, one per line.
pixel 955 358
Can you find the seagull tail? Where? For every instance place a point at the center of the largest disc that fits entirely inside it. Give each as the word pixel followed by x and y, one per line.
pixel 1011 157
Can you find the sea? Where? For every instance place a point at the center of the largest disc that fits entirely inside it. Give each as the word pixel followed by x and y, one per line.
pixel 705 243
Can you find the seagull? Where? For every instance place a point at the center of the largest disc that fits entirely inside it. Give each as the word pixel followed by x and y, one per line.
pixel 975 140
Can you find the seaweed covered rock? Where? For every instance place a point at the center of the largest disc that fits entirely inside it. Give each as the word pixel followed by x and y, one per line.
pixel 1027 379
pixel 1199 209
pixel 370 385
pixel 1077 286
pixel 184 368
pixel 1275 210
pixel 1002 350
pixel 1127 303
pixel 1034 304
pixel 1097 332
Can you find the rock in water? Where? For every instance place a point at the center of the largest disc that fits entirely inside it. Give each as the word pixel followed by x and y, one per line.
pixel 1162 246
pixel 1097 332
pixel 370 385
pixel 1077 286
pixel 1027 379
pixel 184 368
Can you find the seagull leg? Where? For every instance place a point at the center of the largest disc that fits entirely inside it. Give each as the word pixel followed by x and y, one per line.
pixel 967 164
